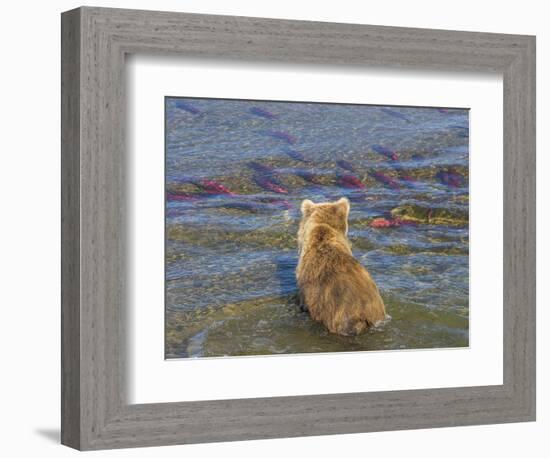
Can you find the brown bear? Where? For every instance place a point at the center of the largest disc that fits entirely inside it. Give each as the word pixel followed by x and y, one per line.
pixel 334 287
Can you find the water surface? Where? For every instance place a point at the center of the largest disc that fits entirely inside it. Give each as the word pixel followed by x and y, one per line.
pixel 236 172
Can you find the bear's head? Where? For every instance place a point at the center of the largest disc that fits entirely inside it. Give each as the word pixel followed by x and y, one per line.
pixel 334 214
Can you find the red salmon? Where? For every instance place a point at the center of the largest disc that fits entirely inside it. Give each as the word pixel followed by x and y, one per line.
pixel 350 181
pixel 212 187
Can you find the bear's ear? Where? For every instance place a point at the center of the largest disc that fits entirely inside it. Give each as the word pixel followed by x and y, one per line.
pixel 343 204
pixel 307 207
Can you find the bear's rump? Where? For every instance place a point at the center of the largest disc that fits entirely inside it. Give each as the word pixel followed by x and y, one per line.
pixel 346 304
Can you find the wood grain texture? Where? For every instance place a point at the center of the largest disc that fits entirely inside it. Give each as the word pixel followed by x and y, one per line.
pixel 70 229
pixel 95 411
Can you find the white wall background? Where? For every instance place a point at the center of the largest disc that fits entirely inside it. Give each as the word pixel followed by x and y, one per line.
pixel 29 229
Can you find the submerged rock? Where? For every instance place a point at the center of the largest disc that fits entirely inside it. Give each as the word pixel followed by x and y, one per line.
pixel 427 215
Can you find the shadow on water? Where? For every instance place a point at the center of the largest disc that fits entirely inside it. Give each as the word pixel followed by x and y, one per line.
pixel 286 274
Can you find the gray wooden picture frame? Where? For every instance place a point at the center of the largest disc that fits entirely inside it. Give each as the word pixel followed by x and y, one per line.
pixel 95 412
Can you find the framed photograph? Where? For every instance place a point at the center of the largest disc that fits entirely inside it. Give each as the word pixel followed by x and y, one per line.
pixel 276 228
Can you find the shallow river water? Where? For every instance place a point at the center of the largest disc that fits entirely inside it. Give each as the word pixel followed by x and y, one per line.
pixel 236 172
